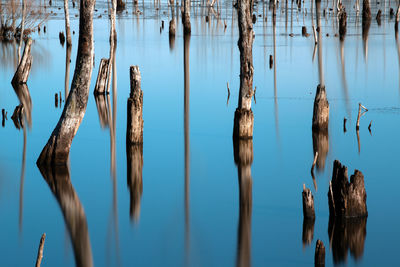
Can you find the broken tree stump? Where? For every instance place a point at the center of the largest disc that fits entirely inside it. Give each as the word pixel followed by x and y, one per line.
pixel 347 199
pixel 24 67
pixel 134 134
pixel 308 203
pixel 319 258
pixel 102 76
pixel 320 119
pixel 360 115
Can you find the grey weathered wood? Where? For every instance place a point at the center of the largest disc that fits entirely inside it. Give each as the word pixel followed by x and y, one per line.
pixel 67 27
pixel 58 146
pixel 347 199
pixel 102 76
pixel 308 203
pixel 244 118
pixel 134 131
pixel 319 258
pixel 24 67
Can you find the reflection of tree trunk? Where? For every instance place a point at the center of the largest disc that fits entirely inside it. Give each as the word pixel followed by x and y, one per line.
pixel 22 30
pixel 320 61
pixel 113 40
pixel 102 110
pixel 21 186
pixel 186 111
pixel 345 235
pixel 58 179
pixel 134 156
pixel 67 63
pixel 366 23
pixel 308 231
pixel 67 28
pixel 243 123
pixel 320 145
pixel 59 143
pixel 243 155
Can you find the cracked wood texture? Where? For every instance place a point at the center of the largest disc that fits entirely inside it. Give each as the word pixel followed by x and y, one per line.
pixel 56 151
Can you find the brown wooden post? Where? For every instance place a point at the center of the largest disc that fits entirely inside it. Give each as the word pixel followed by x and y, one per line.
pixel 134 134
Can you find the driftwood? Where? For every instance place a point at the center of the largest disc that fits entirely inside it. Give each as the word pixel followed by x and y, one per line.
pixel 134 131
pixel 24 67
pixel 347 234
pixel 243 155
pixel 319 258
pixel 40 251
pixel 244 118
pixel 58 146
pixel 102 77
pixel 320 119
pixel 308 203
pixel 347 199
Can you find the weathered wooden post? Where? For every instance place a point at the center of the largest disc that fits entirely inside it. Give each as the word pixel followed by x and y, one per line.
pixel 58 146
pixel 24 67
pixel 243 156
pixel 102 77
pixel 67 27
pixel 186 17
pixel 308 203
pixel 366 23
pixel 342 24
pixel 319 258
pixel 244 118
pixel 134 131
pixel 120 5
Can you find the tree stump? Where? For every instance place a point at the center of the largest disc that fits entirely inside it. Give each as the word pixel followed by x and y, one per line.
pixel 347 199
pixel 101 82
pixel 342 25
pixel 134 134
pixel 24 67
pixel 320 119
pixel 319 258
pixel 308 203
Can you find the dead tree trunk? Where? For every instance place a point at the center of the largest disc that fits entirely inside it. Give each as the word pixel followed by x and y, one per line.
pixel 120 5
pixel 347 199
pixel 67 27
pixel 59 182
pixel 102 77
pixel 243 155
pixel 22 30
pixel 186 17
pixel 319 258
pixel 134 130
pixel 342 25
pixel 308 203
pixel 24 67
pixel 244 118
pixel 320 120
pixel 366 23
pixel 57 148
pixel 113 40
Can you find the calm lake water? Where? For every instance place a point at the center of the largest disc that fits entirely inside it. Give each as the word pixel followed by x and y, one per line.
pixel 188 212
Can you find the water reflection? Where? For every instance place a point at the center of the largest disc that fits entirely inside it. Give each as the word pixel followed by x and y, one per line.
pixel 320 145
pixel 243 156
pixel 134 156
pixel 347 235
pixel 67 63
pixel 186 110
pixel 59 182
pixel 308 231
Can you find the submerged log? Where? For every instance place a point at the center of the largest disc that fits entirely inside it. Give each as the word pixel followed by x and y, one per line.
pixel 347 199
pixel 347 234
pixel 24 67
pixel 308 203
pixel 320 119
pixel 319 258
pixel 134 156
pixel 102 77
pixel 244 118
pixel 134 131
pixel 58 146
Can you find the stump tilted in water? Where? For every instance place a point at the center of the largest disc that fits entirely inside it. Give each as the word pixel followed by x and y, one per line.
pixel 134 130
pixel 347 199
pixel 308 203
pixel 24 67
pixel 320 119
pixel 101 82
pixel 319 258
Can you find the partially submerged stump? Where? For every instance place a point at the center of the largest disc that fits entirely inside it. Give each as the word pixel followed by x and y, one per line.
pixel 320 119
pixel 101 82
pixel 24 67
pixel 347 199
pixel 342 25
pixel 134 131
pixel 319 258
pixel 308 203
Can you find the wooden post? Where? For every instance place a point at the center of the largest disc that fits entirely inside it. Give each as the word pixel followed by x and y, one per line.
pixel 24 67
pixel 58 146
pixel 120 5
pixel 342 25
pixel 244 118
pixel 320 120
pixel 319 258
pixel 134 131
pixel 186 17
pixel 308 203
pixel 102 77
pixel 347 199
pixel 40 251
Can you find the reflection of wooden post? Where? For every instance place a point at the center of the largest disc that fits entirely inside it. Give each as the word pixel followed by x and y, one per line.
pixel 244 118
pixel 347 199
pixel 308 231
pixel 134 155
pixel 67 28
pixel 134 129
pixel 320 146
pixel 243 155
